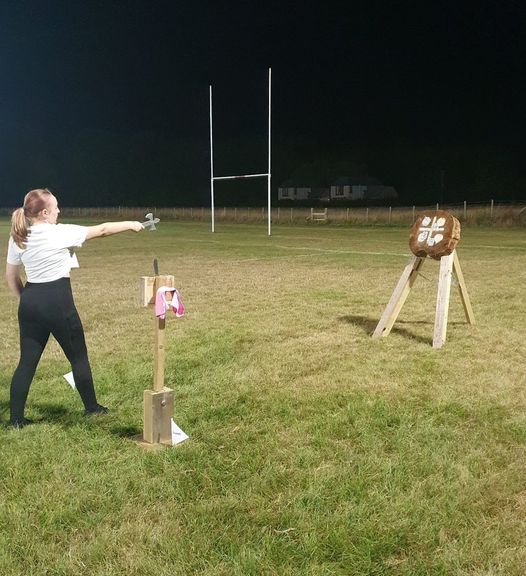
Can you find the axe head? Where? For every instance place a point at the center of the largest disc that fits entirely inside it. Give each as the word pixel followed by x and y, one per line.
pixel 150 222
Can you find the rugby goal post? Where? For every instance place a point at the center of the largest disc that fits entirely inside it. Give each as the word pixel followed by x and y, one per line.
pixel 266 175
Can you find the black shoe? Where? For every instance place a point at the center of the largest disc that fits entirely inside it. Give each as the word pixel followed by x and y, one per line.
pixel 19 423
pixel 97 410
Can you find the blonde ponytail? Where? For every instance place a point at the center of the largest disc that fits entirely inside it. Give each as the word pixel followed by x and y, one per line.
pixel 19 226
pixel 34 202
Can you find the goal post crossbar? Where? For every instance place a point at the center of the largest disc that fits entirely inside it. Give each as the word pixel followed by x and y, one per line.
pixel 242 176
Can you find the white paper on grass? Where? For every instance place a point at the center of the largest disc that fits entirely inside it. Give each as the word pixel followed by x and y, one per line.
pixel 70 380
pixel 177 434
pixel 74 261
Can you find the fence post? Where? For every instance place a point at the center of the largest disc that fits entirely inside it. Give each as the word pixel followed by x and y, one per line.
pixel 414 208
pixel 491 211
pixel 465 210
pixel 437 206
pixel 367 215
pixel 224 212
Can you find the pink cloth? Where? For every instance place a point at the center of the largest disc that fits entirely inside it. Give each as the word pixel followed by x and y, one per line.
pixel 162 305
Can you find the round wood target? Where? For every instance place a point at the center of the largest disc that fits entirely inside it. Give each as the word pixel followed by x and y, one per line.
pixel 435 234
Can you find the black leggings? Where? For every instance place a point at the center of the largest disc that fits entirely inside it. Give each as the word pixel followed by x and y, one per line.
pixel 44 309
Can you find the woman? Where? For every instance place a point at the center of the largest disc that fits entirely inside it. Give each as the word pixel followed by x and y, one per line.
pixel 46 303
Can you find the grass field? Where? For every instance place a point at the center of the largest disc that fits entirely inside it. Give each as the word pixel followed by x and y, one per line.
pixel 314 450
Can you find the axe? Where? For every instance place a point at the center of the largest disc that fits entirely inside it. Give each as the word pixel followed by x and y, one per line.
pixel 150 222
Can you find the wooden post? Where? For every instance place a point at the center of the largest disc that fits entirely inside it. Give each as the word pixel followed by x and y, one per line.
pixel 157 402
pixel 158 354
pixel 442 307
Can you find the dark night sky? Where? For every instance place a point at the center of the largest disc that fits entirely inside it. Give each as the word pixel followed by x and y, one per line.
pixel 107 102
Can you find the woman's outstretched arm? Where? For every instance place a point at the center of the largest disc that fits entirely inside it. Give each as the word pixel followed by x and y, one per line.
pixel 110 228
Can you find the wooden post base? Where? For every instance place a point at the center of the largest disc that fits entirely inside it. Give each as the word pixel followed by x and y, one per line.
pixel 158 414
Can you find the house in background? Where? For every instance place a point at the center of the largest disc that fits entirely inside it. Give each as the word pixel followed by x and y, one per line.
pixel 364 188
pixel 381 192
pixel 295 190
pixel 290 190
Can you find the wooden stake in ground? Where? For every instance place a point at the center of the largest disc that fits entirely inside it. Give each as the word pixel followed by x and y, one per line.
pixel 157 402
pixel 435 235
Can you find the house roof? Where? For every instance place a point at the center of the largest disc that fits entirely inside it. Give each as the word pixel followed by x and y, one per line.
pixel 356 181
pixel 295 183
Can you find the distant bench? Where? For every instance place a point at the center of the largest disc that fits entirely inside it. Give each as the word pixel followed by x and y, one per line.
pixel 317 215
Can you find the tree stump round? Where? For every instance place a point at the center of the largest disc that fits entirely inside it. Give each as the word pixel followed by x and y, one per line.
pixel 435 234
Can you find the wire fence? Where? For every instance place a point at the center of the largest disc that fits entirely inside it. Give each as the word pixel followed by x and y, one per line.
pixel 491 213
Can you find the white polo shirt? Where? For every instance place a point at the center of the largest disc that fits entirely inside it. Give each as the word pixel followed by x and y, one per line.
pixel 46 256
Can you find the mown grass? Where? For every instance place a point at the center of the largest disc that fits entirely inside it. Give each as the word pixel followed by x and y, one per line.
pixel 313 449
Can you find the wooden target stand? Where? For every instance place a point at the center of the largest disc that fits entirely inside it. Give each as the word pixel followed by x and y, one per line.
pixel 447 229
pixel 158 401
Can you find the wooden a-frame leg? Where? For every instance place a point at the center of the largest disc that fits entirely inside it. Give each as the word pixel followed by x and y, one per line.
pixel 399 296
pixel 442 308
pixel 468 310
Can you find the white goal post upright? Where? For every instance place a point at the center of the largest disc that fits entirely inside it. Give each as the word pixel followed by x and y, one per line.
pixel 211 166
pixel 269 207
pixel 262 175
